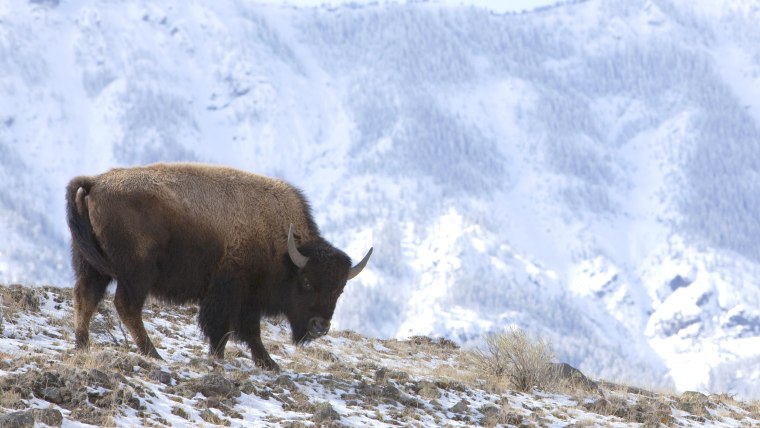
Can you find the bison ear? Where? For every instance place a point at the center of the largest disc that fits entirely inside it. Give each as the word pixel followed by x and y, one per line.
pixel 359 266
pixel 297 258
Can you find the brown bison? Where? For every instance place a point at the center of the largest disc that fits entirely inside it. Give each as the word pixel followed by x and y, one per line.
pixel 241 246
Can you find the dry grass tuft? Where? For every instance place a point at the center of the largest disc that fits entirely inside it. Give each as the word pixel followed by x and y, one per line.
pixel 16 299
pixel 513 357
pixel 11 399
pixel 457 372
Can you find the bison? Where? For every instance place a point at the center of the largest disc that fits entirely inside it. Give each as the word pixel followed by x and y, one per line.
pixel 241 246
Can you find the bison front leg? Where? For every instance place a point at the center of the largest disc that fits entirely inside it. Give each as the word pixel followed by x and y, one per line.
pixel 214 323
pixel 259 354
pixel 216 347
pixel 218 308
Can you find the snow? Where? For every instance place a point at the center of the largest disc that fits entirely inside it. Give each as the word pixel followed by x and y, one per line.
pixel 500 6
pixel 539 169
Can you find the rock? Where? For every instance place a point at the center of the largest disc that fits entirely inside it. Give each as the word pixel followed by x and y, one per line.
pixel 390 391
pixel 450 385
pixel 17 420
pixel 490 411
pixel 398 375
pixel 99 377
pixel 248 387
pixel 51 387
pixel 411 402
pixel 214 385
pixel 328 383
pixel 28 418
pixel 460 407
pixel 285 382
pixel 428 390
pixel 47 379
pixel 212 418
pixel 600 406
pixel 125 396
pixel 161 376
pixel 380 374
pixel 493 415
pixel 325 413
pixel 439 342
pixel 368 391
pixel 512 419
pixel 693 402
pixel 49 417
pixel 568 373
pixel 52 394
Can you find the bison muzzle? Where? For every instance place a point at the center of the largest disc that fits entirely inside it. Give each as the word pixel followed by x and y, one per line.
pixel 241 246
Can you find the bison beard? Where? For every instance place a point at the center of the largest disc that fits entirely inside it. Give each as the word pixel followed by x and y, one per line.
pixel 241 246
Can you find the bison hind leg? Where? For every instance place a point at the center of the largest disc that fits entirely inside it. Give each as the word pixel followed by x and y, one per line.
pixel 89 289
pixel 129 306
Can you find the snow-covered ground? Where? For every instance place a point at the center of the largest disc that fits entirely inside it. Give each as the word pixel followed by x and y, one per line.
pixel 343 379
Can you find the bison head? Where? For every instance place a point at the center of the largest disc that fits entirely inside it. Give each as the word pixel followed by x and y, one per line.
pixel 323 271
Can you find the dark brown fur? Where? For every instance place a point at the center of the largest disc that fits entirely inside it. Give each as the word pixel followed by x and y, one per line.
pixel 204 234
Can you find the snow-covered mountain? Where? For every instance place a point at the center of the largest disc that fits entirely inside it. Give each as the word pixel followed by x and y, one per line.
pixel 588 171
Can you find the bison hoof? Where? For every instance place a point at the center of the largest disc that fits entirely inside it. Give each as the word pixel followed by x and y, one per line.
pixel 82 341
pixel 268 364
pixel 152 353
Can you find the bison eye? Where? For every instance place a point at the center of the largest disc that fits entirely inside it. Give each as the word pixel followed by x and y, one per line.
pixel 307 285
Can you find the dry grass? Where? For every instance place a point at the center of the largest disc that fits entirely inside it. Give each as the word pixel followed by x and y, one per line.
pixel 458 372
pixel 66 384
pixel 513 357
pixel 416 380
pixel 103 358
pixel 11 400
pixel 648 411
pixel 16 299
pixel 751 407
pixel 585 422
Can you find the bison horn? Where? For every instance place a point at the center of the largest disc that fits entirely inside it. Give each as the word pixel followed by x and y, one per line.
pixel 359 266
pixel 298 258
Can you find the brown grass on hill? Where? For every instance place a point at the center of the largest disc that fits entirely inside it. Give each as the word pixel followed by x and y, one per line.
pixel 16 299
pixel 513 357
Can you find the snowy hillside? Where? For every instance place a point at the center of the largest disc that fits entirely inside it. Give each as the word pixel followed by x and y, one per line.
pixel 586 171
pixel 340 380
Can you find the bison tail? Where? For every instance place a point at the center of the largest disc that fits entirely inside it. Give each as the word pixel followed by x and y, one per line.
pixel 82 236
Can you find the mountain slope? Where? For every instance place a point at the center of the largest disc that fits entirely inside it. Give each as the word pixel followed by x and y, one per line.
pixel 343 379
pixel 585 171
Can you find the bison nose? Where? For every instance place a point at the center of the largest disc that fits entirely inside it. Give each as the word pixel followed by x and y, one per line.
pixel 319 326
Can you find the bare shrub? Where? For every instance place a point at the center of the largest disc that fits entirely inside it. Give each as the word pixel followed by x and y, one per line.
pixel 514 357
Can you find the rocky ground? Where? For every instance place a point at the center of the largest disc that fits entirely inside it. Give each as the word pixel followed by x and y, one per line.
pixel 344 379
